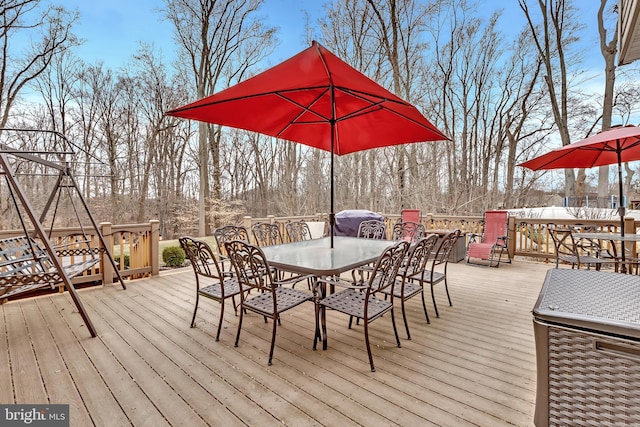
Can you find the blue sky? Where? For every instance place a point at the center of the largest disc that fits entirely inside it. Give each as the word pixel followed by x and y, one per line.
pixel 113 29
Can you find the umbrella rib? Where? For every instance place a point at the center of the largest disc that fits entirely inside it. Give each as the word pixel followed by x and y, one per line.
pixel 304 110
pixel 381 106
pixel 239 98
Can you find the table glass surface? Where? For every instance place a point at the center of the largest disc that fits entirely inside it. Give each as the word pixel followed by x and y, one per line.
pixel 318 258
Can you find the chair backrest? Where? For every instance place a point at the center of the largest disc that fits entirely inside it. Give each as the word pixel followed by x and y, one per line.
pixel 251 266
pixel 445 248
pixel 201 257
pixel 317 228
pixel 586 245
pixel 411 215
pixel 372 229
pixel 266 234
pixel 564 243
pixel 228 233
pixel 409 231
pixel 419 255
pixel 496 225
pixel 386 268
pixel 297 231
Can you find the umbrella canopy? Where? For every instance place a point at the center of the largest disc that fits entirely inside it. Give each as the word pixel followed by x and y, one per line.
pixel 617 145
pixel 315 98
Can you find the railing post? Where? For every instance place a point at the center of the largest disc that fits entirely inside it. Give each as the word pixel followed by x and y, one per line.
pixel 155 247
pixel 246 223
pixel 106 268
pixel 511 243
pixel 427 220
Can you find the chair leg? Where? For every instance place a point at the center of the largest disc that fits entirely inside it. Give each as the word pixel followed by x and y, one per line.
pixel 239 326
pixel 395 329
pixel 220 320
pixel 317 335
pixel 433 298
pixel 404 317
pixel 366 340
pixel 195 310
pixel 276 318
pixel 424 306
pixel 323 315
pixel 446 288
pixel 235 307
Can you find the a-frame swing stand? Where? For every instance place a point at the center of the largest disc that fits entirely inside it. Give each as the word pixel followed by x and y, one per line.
pixel 25 265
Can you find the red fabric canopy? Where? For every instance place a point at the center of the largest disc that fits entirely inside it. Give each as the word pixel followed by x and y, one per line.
pixel 303 98
pixel 616 145
pixel 315 98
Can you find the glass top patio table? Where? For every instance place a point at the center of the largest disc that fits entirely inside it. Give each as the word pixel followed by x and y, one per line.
pixel 317 258
pixel 609 236
pixel 612 237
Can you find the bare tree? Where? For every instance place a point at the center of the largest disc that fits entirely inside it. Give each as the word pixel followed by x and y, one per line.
pixel 49 28
pixel 220 40
pixel 553 39
pixel 608 50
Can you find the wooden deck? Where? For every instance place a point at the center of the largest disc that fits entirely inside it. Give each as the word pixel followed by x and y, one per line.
pixel 475 365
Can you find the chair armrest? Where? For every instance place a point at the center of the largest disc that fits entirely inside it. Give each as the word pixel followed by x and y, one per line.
pixel 293 280
pixel 339 282
pixel 473 237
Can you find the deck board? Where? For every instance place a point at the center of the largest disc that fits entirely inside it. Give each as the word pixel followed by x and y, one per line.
pixel 474 365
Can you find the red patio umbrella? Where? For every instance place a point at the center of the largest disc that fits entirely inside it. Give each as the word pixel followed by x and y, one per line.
pixel 315 98
pixel 619 145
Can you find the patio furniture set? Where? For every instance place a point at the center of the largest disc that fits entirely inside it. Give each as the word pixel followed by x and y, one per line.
pixel 263 276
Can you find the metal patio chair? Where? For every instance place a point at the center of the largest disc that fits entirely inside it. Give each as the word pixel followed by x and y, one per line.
pixel 410 281
pixel 225 234
pixel 253 271
pixel 297 231
pixel 438 271
pixel 266 234
pixel 576 253
pixel 214 283
pixel 372 229
pixel 407 230
pixel 362 302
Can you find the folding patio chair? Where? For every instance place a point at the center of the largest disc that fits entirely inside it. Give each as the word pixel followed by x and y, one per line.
pixel 410 215
pixel 492 243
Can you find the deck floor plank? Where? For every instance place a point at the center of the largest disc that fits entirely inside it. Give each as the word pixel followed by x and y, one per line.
pixel 27 382
pixel 474 365
pixel 305 342
pixel 300 393
pixel 71 337
pixel 202 368
pixel 59 384
pixel 6 379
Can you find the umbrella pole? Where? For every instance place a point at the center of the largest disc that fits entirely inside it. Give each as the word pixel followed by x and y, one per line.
pixel 332 215
pixel 621 210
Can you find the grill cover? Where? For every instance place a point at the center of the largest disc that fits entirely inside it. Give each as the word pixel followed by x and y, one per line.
pixel 347 222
